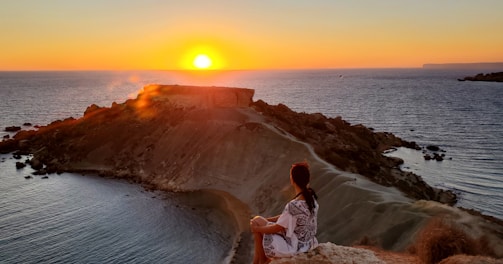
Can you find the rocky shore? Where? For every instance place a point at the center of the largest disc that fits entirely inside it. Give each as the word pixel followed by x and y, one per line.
pixel 183 138
pixel 489 77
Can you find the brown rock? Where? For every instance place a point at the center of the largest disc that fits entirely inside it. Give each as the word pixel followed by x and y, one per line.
pixel 20 165
pixel 12 128
pixel 465 259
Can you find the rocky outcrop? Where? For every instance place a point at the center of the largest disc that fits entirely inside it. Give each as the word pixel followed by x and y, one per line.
pixel 12 129
pixel 197 97
pixel 328 253
pixel 489 77
pixel 354 148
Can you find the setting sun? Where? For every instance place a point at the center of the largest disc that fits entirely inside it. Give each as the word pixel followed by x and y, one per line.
pixel 202 61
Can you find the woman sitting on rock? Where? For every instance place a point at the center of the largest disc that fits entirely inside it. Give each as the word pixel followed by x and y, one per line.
pixel 294 230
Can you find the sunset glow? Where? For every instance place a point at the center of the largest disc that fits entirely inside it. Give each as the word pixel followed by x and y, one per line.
pixel 168 35
pixel 202 61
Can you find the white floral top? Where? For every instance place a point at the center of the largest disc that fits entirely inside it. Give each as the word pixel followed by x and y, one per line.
pixel 300 231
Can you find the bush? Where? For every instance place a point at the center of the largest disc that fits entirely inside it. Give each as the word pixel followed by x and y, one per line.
pixel 440 239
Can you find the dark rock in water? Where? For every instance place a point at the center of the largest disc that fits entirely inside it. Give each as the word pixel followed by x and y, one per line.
pixel 438 157
pixel 412 145
pixel 28 177
pixel 40 172
pixel 435 155
pixel 433 148
pixel 20 165
pixel 27 124
pixel 6 136
pixel 16 156
pixel 22 152
pixel 36 164
pixel 45 177
pixel 490 77
pixel 12 129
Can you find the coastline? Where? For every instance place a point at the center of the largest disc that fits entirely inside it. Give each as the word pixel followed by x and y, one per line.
pixel 183 142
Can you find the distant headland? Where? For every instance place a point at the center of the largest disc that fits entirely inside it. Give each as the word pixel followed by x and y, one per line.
pixel 467 66
pixel 490 77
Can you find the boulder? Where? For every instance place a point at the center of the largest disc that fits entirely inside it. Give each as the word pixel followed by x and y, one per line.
pixel 438 157
pixel 36 164
pixel 12 128
pixel 329 253
pixel 92 108
pixel 40 172
pixel 20 165
pixel 465 259
pixel 432 148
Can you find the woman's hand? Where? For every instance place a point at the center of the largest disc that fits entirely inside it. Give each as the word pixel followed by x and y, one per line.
pixel 252 226
pixel 256 222
pixel 260 225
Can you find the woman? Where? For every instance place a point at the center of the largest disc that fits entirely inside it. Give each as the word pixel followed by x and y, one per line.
pixel 294 230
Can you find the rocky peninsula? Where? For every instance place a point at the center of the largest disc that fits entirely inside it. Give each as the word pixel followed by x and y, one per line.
pixel 217 139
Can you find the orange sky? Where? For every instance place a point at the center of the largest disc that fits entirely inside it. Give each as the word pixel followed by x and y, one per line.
pixel 279 34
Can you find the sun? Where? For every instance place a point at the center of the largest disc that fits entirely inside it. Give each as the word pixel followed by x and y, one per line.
pixel 202 61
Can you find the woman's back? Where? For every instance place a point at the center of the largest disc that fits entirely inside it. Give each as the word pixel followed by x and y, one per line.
pixel 306 224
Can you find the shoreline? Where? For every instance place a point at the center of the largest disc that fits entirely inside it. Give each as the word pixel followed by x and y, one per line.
pixel 413 160
pixel 234 222
pixel 242 249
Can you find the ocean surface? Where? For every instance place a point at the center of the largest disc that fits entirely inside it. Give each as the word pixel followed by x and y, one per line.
pixel 71 218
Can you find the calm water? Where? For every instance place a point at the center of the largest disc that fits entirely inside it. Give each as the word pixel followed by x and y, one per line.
pixel 88 219
pixel 72 218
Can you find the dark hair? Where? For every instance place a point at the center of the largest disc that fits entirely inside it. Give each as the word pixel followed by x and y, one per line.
pixel 301 176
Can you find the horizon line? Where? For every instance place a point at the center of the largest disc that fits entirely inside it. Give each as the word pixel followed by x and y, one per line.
pixel 258 69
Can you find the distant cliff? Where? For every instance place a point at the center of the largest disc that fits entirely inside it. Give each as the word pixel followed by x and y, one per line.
pixel 469 66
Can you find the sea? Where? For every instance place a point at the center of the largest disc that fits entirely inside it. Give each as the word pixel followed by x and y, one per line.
pixel 72 218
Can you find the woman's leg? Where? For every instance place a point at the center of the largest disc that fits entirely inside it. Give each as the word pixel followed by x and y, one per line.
pixel 259 256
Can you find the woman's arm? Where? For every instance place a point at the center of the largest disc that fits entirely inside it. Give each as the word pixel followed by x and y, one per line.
pixel 273 218
pixel 267 229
